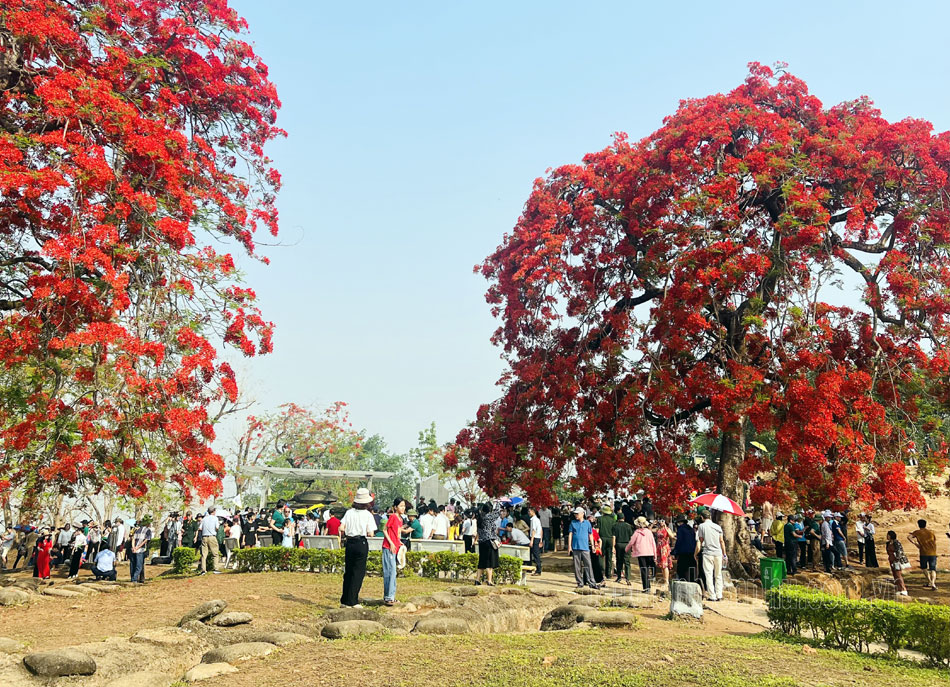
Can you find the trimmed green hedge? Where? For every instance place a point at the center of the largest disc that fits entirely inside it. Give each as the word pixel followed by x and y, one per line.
pixel 184 559
pixel 854 624
pixel 432 565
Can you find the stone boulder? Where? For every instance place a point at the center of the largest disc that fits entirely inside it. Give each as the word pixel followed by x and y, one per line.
pixel 204 671
pixel 62 593
pixel 235 653
pixel 10 646
pixel 589 601
pixel 163 636
pixel 608 618
pixel 587 591
pixel 11 596
pixel 341 614
pixel 83 589
pixel 103 588
pixel 60 662
pixel 392 622
pixel 686 598
pixel 447 600
pixel 31 583
pixel 464 591
pixel 282 638
pixel 231 618
pixel 203 611
pixel 544 593
pixel 560 618
pixel 442 625
pixel 351 628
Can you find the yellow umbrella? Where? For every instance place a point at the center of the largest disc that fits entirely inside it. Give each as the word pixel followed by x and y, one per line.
pixel 761 447
pixel 304 511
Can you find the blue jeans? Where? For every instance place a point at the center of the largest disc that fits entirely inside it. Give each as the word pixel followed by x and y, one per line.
pixel 137 566
pixel 389 575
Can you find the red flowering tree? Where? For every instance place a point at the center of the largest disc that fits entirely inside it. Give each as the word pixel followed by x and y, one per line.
pixel 131 137
pixel 760 264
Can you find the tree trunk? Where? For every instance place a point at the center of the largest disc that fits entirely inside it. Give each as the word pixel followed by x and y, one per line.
pixel 743 558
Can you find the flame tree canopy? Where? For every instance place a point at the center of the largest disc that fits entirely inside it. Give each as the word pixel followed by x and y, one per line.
pixel 759 265
pixel 131 138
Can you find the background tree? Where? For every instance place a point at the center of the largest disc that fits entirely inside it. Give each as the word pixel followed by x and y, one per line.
pixel 300 437
pixel 131 136
pixel 760 259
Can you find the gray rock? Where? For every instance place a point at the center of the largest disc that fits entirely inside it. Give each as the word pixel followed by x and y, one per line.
pixel 31 583
pixel 83 589
pixel 234 653
pixel 587 591
pixel 63 593
pixel 282 638
pixel 340 614
pixel 203 611
pixel 544 593
pixel 351 628
pixel 231 618
pixel 608 618
pixel 686 598
pixel 464 591
pixel 203 671
pixel 60 662
pixel 393 622
pixel 589 601
pixel 10 646
pixel 442 625
pixel 104 588
pixel 560 618
pixel 423 601
pixel 10 596
pixel 447 600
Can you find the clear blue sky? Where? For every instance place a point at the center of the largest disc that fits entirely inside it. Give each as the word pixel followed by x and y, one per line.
pixel 417 128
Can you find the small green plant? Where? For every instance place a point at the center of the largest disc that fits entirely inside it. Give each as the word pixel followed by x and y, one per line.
pixel 184 559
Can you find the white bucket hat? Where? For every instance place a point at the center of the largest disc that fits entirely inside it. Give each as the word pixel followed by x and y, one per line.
pixel 363 496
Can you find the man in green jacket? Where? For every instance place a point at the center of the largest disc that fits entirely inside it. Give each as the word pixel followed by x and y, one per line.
pixel 623 531
pixel 608 522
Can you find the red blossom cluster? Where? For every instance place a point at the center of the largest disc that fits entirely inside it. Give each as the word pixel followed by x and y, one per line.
pixel 131 133
pixel 760 266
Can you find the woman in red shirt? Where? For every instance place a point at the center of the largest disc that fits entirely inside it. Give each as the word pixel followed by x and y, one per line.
pixel 392 534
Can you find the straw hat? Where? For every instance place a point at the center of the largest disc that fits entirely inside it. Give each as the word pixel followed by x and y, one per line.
pixel 363 496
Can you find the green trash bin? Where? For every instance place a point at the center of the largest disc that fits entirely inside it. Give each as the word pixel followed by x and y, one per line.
pixel 772 571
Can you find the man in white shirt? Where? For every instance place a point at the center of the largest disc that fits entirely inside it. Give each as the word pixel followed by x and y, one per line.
pixel 427 520
pixel 709 540
pixel 440 525
pixel 537 539
pixel 208 532
pixel 104 567
pixel 516 536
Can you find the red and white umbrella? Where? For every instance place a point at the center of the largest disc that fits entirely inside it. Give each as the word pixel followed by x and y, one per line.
pixel 718 502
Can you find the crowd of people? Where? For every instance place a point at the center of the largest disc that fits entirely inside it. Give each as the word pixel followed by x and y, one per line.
pixel 70 546
pixel 604 539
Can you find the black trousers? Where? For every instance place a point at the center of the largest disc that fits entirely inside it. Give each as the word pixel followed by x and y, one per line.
pixel 354 569
pixel 596 563
pixel 791 559
pixel 646 564
pixel 802 554
pixel 535 555
pixel 686 567
pixel 470 544
pixel 74 562
pixel 870 553
pixel 779 549
pixel 108 575
pixel 860 552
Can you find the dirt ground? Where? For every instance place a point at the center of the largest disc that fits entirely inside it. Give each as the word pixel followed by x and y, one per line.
pixel 716 652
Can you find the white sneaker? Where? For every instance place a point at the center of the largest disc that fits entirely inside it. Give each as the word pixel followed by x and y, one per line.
pixel 358 606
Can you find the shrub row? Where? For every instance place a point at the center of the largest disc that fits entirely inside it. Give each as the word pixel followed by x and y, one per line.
pixel 854 624
pixel 432 565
